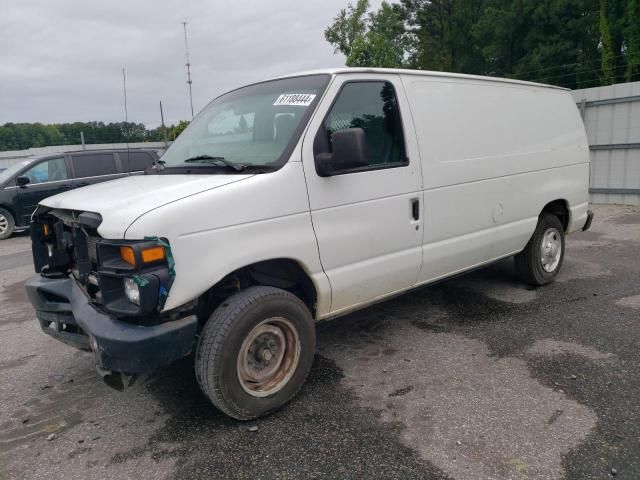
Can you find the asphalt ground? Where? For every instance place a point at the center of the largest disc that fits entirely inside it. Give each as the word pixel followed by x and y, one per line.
pixel 478 377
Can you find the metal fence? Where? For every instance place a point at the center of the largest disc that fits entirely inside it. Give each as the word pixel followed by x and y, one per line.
pixel 612 119
pixel 9 158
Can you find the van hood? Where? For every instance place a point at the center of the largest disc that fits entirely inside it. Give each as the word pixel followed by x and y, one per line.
pixel 120 202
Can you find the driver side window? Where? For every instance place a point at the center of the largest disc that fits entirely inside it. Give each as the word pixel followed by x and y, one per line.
pixel 373 107
pixel 48 171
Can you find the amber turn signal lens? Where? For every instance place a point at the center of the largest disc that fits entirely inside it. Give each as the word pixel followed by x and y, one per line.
pixel 152 254
pixel 126 253
pixel 45 230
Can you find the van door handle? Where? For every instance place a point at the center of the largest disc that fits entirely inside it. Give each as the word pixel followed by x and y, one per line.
pixel 415 208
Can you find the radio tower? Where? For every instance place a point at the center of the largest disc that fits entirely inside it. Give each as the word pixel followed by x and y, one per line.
pixel 188 65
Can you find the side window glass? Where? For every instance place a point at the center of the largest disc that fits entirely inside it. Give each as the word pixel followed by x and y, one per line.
pixel 49 171
pixel 373 107
pixel 93 165
pixel 136 161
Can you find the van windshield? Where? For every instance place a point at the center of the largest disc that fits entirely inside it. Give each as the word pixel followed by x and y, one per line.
pixel 254 126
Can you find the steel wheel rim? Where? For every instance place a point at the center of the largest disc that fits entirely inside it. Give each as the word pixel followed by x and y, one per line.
pixel 268 357
pixel 551 249
pixel 4 224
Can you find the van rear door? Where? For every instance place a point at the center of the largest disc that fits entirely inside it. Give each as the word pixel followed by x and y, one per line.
pixel 367 219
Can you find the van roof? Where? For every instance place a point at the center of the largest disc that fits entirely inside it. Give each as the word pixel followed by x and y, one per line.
pixel 423 73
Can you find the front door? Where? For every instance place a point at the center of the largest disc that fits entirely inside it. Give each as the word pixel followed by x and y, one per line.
pixel 47 178
pixel 367 220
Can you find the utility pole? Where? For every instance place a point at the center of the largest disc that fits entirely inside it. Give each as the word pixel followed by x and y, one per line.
pixel 164 128
pixel 124 89
pixel 126 113
pixel 188 65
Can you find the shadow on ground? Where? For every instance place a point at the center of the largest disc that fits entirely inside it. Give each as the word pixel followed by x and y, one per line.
pixel 323 425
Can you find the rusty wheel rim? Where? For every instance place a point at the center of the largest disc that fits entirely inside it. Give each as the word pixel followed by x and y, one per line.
pixel 268 357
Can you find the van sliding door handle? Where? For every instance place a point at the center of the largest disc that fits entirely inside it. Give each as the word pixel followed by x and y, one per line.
pixel 415 208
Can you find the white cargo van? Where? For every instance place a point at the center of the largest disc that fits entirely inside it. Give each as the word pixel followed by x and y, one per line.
pixel 300 199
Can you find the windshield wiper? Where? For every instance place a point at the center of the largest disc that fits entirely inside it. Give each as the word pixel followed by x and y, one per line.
pixel 216 161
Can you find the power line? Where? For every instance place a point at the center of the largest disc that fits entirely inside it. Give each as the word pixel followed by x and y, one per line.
pixel 586 61
pixel 578 73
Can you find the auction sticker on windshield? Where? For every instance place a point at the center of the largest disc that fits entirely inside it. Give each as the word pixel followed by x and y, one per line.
pixel 295 99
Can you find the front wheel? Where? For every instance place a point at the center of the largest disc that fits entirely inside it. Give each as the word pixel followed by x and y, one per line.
pixel 7 224
pixel 255 352
pixel 540 261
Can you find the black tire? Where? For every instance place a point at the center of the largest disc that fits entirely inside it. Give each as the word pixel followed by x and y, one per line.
pixel 7 224
pixel 217 362
pixel 529 262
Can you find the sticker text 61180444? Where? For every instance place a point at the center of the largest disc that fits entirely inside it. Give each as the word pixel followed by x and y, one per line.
pixel 295 99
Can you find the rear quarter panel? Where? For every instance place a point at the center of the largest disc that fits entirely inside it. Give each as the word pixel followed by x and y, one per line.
pixel 493 154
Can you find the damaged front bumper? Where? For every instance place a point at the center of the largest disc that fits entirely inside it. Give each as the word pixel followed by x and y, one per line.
pixel 65 312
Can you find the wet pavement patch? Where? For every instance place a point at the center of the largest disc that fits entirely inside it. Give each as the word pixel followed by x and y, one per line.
pixel 58 406
pixel 15 304
pixel 549 347
pixel 322 433
pixel 605 388
pixel 18 259
pixel 632 301
pixel 10 364
pixel 469 413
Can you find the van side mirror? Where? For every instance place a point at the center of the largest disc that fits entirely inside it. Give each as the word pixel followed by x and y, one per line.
pixel 23 181
pixel 349 152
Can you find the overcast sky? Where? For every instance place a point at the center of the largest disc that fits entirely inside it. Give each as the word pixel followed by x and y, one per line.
pixel 61 61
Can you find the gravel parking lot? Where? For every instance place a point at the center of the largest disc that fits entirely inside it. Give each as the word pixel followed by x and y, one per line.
pixel 478 377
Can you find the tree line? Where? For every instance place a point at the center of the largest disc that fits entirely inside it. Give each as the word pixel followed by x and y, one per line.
pixel 571 43
pixel 20 136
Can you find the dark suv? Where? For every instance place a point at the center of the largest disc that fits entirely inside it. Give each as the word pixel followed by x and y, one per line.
pixel 24 185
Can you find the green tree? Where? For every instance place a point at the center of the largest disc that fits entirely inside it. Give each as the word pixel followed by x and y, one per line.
pixel 348 28
pixel 608 72
pixel 385 43
pixel 155 134
pixel 632 32
pixel 551 42
pixel 374 39
pixel 443 32
pixel 174 130
pixel 572 43
pixel 19 136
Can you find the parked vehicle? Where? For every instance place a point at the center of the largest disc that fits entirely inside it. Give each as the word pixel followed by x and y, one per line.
pixel 300 199
pixel 25 184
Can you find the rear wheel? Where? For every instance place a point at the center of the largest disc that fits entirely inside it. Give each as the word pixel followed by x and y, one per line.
pixel 255 352
pixel 540 261
pixel 7 224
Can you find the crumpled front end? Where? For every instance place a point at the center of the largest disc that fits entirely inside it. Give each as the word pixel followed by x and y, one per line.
pixel 105 295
